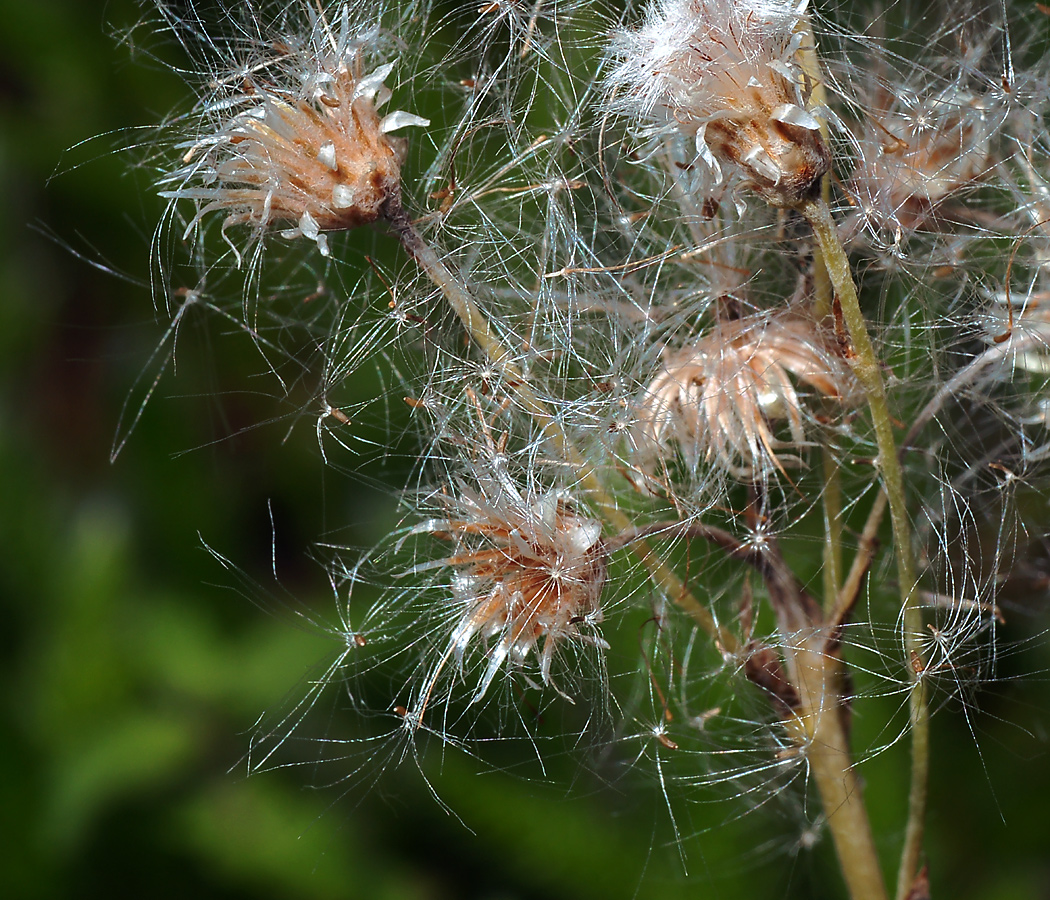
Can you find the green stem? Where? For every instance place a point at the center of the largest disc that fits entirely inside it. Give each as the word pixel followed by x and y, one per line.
pixel 866 547
pixel 480 330
pixel 866 368
pixel 831 498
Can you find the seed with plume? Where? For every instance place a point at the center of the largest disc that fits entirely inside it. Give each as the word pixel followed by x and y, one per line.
pixel 528 573
pixel 1018 325
pixel 719 399
pixel 725 73
pixel 298 141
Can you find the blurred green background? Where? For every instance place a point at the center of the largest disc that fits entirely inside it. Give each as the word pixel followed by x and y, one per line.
pixel 134 669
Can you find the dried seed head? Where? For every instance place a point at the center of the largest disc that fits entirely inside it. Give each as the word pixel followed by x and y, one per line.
pixel 719 399
pixel 914 153
pixel 298 139
pixel 528 575
pixel 724 72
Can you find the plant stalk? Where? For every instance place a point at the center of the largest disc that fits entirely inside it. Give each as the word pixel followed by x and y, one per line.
pixel 866 368
pixel 831 498
pixel 821 733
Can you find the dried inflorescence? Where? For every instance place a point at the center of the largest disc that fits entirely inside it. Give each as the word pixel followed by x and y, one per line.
pixel 298 140
pixel 528 573
pixel 719 399
pixel 725 73
pixel 916 153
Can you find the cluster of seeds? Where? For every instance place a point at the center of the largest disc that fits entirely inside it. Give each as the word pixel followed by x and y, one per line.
pixel 563 273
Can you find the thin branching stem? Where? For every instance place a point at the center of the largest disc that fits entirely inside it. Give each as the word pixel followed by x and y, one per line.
pixel 867 369
pixel 764 558
pixel 868 545
pixel 831 499
pixel 823 294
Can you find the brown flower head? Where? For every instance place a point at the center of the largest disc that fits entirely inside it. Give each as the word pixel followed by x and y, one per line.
pixel 528 574
pixel 298 139
pixel 915 153
pixel 724 72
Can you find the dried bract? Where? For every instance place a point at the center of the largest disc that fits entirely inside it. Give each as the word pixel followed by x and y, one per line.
pixel 528 575
pixel 719 398
pixel 725 73
pixel 298 139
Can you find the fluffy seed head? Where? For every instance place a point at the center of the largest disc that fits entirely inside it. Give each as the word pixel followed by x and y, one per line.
pixel 297 139
pixel 724 73
pixel 527 575
pixel 719 398
pixel 914 153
